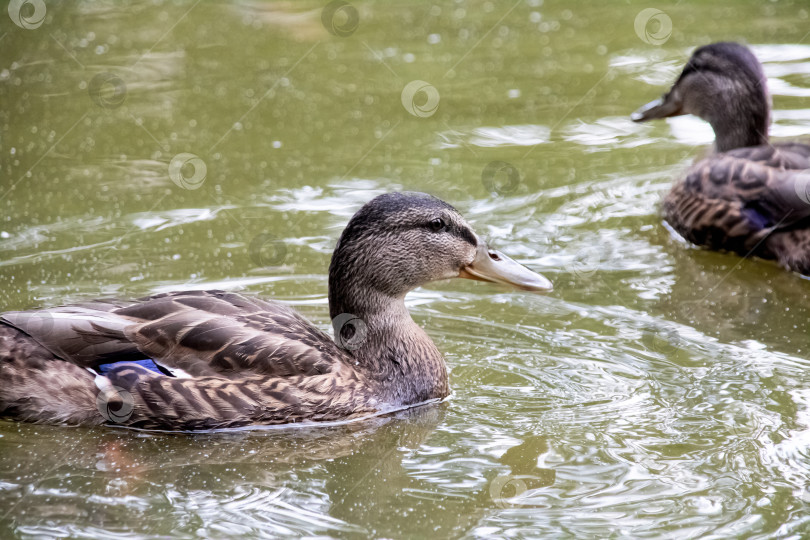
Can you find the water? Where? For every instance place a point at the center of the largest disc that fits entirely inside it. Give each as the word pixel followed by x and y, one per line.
pixel 660 390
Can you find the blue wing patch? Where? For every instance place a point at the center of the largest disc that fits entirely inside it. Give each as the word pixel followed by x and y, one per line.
pixel 757 217
pixel 148 363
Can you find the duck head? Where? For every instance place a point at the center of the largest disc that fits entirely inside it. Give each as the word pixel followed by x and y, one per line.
pixel 724 84
pixel 400 241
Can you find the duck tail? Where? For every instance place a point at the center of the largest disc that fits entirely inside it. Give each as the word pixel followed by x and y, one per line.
pixel 37 386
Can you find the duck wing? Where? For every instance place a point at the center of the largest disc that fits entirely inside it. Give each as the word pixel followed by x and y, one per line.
pixel 235 361
pixel 782 155
pixel 68 332
pixel 194 333
pixel 733 201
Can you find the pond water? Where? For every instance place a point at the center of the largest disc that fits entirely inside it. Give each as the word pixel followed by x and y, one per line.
pixel 659 390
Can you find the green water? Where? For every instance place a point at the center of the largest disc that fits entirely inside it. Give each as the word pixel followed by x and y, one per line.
pixel 661 390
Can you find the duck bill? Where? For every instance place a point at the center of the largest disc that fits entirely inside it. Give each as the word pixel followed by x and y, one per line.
pixel 494 267
pixel 663 107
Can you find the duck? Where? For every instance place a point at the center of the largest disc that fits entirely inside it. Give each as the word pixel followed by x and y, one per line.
pixel 748 196
pixel 212 359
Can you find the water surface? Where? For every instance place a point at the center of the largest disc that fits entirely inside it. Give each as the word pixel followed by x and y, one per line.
pixel 660 390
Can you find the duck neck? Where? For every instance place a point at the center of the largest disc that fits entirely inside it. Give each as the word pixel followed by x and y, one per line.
pixel 741 121
pixel 728 137
pixel 387 345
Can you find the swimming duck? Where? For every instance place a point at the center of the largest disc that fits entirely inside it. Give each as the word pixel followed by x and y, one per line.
pixel 214 359
pixel 750 196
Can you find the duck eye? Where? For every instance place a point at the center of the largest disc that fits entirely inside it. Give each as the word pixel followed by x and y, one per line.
pixel 437 224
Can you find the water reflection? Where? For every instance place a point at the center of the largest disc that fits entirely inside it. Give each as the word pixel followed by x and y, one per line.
pixel 249 482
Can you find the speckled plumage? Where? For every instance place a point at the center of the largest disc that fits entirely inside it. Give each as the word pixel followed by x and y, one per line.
pixel 248 362
pixel 228 360
pixel 749 197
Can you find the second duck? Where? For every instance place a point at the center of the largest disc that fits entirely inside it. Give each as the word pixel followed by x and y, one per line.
pixel 750 196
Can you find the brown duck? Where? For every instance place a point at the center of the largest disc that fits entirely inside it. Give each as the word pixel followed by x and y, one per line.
pixel 750 196
pixel 214 359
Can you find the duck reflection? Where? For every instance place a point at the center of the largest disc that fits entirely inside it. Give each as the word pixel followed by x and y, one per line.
pixel 734 300
pixel 378 473
pixel 379 489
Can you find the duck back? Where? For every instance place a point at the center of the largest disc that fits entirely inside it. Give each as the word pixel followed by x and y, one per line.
pixel 750 201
